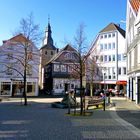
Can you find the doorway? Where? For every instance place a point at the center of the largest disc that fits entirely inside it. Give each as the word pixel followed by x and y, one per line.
pixel 138 91
pixel 67 87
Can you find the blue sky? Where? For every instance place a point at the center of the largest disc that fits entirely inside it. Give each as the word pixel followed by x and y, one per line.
pixel 65 16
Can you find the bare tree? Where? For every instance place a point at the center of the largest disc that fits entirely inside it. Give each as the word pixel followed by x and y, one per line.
pixel 91 71
pixel 31 32
pixel 80 68
pixel 26 37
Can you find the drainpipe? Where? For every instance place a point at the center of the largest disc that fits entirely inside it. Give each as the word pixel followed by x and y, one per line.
pixel 116 58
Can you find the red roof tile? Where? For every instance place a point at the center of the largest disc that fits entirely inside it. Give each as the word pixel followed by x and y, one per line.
pixel 135 5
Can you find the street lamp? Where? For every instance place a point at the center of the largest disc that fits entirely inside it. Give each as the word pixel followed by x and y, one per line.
pixel 104 80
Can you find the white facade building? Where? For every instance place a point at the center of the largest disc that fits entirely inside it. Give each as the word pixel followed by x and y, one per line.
pixel 12 64
pixel 107 52
pixel 133 49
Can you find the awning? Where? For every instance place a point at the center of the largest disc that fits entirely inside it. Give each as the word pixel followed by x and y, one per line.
pixel 121 82
pixel 108 82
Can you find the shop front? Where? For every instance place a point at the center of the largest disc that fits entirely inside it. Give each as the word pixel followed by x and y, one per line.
pixel 16 88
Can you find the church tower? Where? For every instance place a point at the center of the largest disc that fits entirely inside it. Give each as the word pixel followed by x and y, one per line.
pixel 47 51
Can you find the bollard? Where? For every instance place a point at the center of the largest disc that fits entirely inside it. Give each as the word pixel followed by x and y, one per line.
pixel 104 104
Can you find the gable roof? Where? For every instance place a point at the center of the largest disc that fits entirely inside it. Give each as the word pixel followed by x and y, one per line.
pixel 17 38
pixel 135 5
pixel 68 48
pixel 65 49
pixel 113 27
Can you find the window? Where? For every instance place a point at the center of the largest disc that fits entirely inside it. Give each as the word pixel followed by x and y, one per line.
pixel 109 46
pixel 10 48
pixel 70 68
pixel 5 88
pixel 101 36
pixel 109 35
pixel 30 48
pixel 105 58
pixel 29 56
pixel 123 57
pixel 113 45
pixel 119 71
pixel 132 58
pixel 9 56
pixel 113 57
pixel 138 48
pixel 56 67
pixel 9 69
pixel 138 30
pixel 105 46
pixel 46 52
pixel 105 36
pixel 109 58
pixel 113 72
pixel 119 57
pixel 101 46
pixel 101 58
pixel 29 69
pixel 63 68
pixel 113 35
pixel 61 86
pixel 124 70
pixel 72 86
pixel 69 56
pixel 51 52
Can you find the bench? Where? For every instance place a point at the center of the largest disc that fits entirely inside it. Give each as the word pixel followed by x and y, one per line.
pixel 93 101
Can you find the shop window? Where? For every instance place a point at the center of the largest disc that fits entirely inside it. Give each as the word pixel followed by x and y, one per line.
pixel 5 88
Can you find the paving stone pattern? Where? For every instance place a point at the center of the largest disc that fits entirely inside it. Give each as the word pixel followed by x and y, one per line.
pixel 38 121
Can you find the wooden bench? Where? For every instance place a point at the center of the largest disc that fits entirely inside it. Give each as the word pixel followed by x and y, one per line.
pixel 93 101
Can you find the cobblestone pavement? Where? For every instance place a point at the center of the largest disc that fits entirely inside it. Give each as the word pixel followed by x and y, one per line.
pixel 128 111
pixel 38 121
